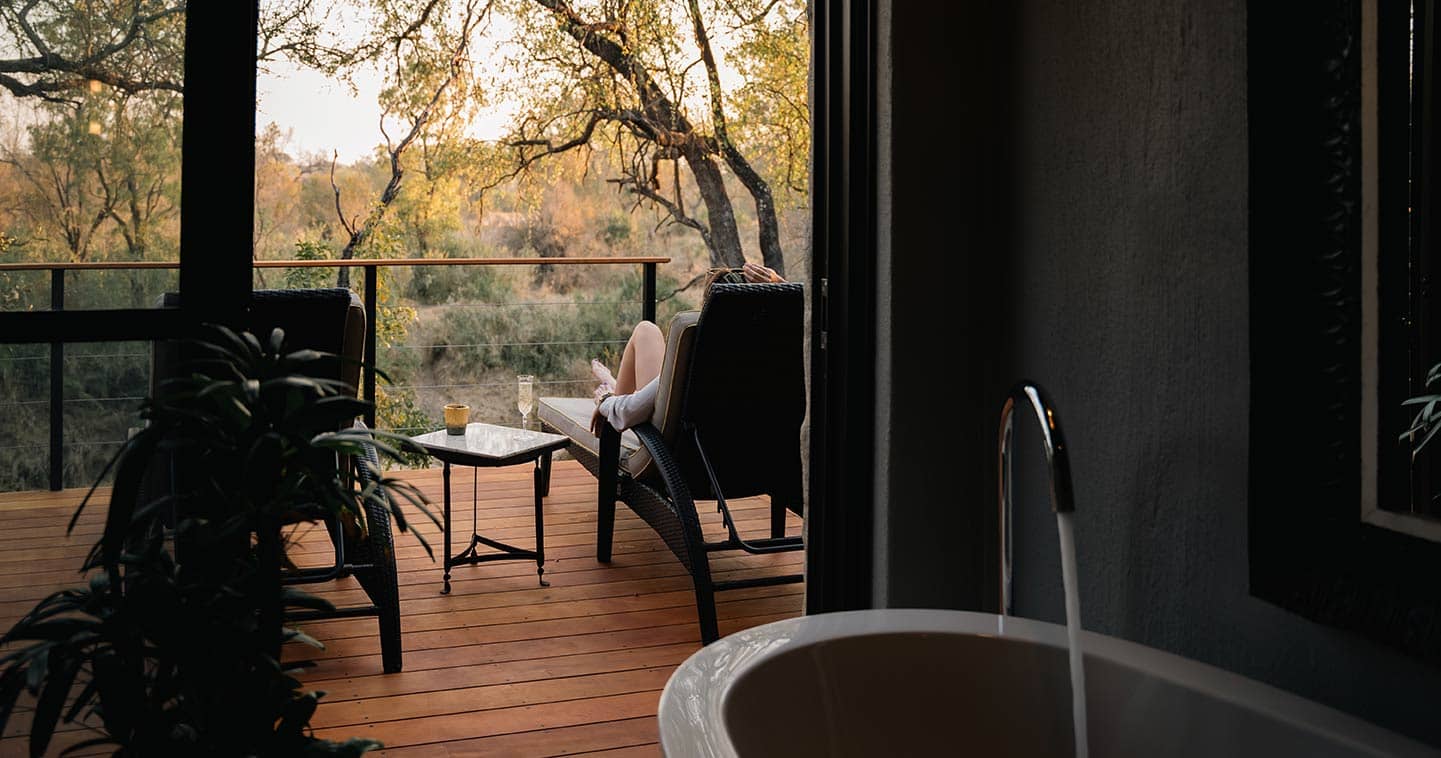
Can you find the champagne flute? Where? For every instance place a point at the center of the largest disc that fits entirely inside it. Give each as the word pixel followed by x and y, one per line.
pixel 525 401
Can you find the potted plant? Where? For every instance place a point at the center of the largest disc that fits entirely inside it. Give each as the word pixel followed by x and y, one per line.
pixel 173 646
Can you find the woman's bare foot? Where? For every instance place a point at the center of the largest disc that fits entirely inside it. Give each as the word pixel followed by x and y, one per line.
pixel 602 374
pixel 606 379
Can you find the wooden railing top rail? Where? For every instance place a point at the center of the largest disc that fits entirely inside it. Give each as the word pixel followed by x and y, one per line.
pixel 351 263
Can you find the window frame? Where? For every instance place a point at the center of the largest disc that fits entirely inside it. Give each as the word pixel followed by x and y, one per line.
pixel 216 193
pixel 1400 249
pixel 1311 550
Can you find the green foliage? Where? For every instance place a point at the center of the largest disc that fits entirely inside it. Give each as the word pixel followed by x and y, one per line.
pixel 398 412
pixel 173 647
pixel 511 338
pixel 772 113
pixel 307 278
pixel 551 339
pixel 616 230
pixel 438 285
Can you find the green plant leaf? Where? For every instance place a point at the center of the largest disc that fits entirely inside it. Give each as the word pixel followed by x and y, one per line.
pixel 87 744
pixel 51 702
pixel 11 682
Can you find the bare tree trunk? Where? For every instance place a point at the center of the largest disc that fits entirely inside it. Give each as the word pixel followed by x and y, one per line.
pixel 770 235
pixel 770 238
pixel 725 239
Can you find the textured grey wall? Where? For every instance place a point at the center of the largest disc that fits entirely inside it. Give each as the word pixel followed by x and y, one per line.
pixel 1082 221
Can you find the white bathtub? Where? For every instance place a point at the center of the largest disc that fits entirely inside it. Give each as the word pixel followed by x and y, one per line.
pixel 942 683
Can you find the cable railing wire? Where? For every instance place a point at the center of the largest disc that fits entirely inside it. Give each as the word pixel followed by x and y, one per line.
pixel 389 387
pixel 75 357
pixel 505 344
pixel 528 304
pixel 92 443
pixel 76 400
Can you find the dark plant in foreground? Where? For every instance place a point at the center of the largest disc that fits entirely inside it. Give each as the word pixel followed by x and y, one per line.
pixel 173 647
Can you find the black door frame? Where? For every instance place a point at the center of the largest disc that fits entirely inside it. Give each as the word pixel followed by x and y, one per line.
pixel 843 325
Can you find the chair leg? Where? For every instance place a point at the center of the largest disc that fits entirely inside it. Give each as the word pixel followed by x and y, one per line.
pixel 778 517
pixel 705 611
pixel 382 583
pixel 391 655
pixel 605 492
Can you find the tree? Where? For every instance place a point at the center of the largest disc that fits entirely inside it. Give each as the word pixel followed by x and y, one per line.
pixel 57 47
pixel 59 172
pixel 773 116
pixel 621 73
pixel 138 169
pixel 430 91
pixel 106 156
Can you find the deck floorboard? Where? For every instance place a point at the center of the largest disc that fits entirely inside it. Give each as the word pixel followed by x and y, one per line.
pixel 501 666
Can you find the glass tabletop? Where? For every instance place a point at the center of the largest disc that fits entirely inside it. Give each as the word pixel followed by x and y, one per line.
pixel 490 441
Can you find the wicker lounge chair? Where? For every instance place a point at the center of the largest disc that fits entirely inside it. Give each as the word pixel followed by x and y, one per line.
pixel 727 425
pixel 331 320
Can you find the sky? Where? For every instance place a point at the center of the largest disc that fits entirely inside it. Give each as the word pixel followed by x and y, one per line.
pixel 322 115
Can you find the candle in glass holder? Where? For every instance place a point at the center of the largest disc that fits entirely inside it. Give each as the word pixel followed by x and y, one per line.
pixel 457 415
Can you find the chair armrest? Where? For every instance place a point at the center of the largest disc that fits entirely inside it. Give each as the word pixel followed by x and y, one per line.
pixel 654 443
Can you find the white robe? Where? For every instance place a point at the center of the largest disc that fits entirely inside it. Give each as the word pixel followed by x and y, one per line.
pixel 625 411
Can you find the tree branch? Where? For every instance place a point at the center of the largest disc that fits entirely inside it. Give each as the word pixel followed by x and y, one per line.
pixel 359 231
pixel 54 73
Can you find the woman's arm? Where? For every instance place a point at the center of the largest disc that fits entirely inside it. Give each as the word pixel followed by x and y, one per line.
pixel 625 411
pixel 758 274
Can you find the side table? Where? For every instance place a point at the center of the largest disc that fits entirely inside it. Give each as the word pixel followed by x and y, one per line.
pixel 486 446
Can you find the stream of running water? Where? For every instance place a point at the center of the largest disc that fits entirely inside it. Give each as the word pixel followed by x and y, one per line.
pixel 1073 630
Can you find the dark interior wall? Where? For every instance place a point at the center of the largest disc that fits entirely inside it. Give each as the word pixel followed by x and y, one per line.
pixel 1081 219
pixel 943 189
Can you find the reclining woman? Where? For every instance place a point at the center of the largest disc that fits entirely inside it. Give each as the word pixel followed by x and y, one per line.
pixel 629 399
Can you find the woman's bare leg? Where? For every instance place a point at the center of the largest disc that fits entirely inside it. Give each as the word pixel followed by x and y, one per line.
pixel 642 359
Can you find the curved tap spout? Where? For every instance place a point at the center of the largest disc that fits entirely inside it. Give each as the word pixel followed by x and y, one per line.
pixel 1058 464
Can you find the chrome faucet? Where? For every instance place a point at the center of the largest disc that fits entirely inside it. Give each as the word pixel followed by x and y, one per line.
pixel 1057 461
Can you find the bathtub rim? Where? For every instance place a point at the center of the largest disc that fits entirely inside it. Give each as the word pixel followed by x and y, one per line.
pixel 704 679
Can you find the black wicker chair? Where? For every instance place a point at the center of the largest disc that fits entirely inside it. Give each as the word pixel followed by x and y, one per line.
pixel 727 425
pixel 331 320
pixel 365 550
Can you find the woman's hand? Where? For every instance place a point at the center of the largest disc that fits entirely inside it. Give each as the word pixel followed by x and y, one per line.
pixel 758 274
pixel 596 422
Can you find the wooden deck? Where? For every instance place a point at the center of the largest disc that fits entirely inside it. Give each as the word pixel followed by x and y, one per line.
pixel 499 667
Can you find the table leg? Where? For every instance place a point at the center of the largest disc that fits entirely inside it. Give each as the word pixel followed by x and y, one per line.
pixel 545 475
pixel 540 486
pixel 445 475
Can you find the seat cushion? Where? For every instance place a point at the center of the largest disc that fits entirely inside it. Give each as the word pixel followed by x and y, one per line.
pixel 571 416
pixel 671 394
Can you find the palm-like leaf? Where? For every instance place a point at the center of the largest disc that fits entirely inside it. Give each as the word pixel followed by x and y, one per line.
pixel 168 645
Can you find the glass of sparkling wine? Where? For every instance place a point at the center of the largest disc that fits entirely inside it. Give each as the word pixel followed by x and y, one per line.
pixel 525 401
